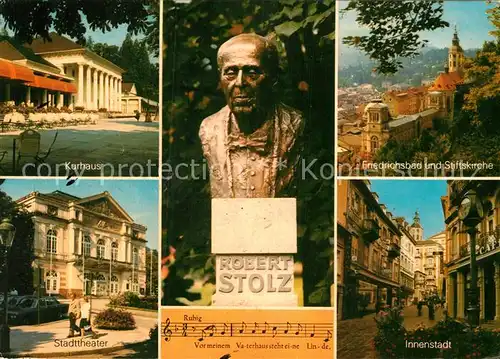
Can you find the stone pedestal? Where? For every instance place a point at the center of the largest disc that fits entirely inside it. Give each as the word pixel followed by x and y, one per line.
pixel 254 240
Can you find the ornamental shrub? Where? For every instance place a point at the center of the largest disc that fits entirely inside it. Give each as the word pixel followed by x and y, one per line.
pixel 114 319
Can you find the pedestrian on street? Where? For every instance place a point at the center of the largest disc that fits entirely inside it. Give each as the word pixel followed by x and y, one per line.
pixel 73 314
pixel 85 317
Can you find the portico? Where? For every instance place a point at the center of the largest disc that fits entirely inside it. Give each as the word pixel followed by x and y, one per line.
pixel 98 80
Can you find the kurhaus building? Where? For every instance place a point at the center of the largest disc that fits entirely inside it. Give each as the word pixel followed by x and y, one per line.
pixel 487 250
pixel 59 72
pixel 369 240
pixel 86 244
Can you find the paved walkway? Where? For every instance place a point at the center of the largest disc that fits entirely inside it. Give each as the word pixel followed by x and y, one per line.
pixel 354 336
pixel 50 339
pixel 115 141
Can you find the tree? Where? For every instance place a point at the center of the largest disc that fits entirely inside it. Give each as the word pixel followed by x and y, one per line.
pixel 394 28
pixel 22 251
pixel 134 57
pixel 29 19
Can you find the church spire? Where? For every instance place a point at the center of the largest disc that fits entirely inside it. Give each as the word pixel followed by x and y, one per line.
pixel 455 54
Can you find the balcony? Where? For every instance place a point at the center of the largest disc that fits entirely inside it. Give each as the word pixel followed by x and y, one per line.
pixel 370 230
pixel 464 250
pixel 393 251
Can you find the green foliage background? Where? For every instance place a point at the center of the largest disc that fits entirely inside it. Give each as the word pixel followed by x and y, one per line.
pixel 304 31
pixel 21 255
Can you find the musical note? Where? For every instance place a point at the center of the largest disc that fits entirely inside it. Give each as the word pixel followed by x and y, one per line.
pixel 288 327
pixel 275 331
pixel 266 327
pixel 224 330
pixel 243 327
pixel 166 331
pixel 328 336
pixel 313 331
pixel 212 328
pixel 255 328
pixel 299 329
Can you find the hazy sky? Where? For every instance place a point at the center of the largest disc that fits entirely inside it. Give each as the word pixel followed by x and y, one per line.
pixel 469 16
pixel 139 198
pixel 404 197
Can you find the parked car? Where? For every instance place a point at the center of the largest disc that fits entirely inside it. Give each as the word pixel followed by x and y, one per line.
pixel 27 308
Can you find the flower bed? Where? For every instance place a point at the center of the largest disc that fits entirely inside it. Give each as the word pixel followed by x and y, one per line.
pixel 132 300
pixel 447 339
pixel 22 117
pixel 114 319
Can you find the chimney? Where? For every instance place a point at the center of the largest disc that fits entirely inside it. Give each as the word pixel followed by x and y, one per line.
pixel 446 69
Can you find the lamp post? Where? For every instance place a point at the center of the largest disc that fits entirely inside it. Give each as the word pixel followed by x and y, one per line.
pixel 7 233
pixel 471 212
pixel 36 265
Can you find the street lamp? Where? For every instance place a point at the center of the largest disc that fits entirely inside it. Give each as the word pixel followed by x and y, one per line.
pixel 7 233
pixel 36 265
pixel 471 212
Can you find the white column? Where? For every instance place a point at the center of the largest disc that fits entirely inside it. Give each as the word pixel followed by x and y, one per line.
pixel 79 100
pixel 45 96
pixel 112 93
pixel 101 90
pixel 94 90
pixel 60 101
pixel 120 95
pixel 115 94
pixel 28 95
pixel 88 97
pixel 106 91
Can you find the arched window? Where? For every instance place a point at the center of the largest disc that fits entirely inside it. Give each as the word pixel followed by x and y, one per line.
pixel 52 282
pixel 114 251
pixel 374 144
pixel 114 284
pixel 100 277
pixel 135 257
pixel 101 248
pixel 87 244
pixel 51 241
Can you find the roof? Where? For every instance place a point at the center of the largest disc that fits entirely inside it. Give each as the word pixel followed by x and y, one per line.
pixel 376 104
pixel 55 44
pixel 127 86
pixel 447 81
pixel 401 120
pixel 62 195
pixel 15 51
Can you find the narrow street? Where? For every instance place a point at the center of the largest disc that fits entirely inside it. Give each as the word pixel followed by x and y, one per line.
pixel 354 336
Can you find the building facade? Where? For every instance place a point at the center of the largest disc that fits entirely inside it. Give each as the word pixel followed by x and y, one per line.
pixel 402 115
pixel 86 245
pixel 370 243
pixel 407 260
pixel 487 250
pixel 61 73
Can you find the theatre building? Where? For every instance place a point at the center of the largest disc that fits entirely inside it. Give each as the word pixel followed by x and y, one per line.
pixel 487 250
pixel 86 244
pixel 369 240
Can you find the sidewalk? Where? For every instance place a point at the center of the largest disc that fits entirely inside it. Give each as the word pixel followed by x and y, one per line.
pixel 49 340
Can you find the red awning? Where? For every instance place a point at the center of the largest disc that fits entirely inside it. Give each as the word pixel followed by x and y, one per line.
pixel 15 72
pixel 51 84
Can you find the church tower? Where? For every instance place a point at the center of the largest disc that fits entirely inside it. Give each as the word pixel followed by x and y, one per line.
pixel 417 231
pixel 456 55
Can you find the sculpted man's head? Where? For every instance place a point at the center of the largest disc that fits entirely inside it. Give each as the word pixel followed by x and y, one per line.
pixel 248 65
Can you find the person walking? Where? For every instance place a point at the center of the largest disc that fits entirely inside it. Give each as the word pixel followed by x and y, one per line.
pixel 85 317
pixel 74 312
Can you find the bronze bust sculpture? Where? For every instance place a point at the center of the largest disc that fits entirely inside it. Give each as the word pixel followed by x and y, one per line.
pixel 252 144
